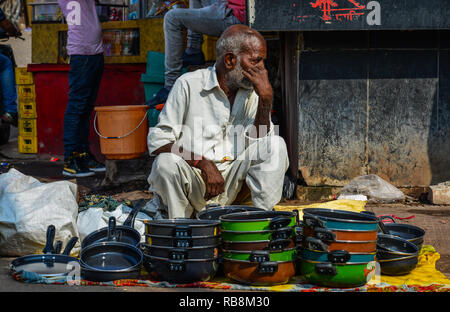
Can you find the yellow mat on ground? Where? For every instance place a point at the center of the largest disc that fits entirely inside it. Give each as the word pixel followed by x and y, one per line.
pixel 339 204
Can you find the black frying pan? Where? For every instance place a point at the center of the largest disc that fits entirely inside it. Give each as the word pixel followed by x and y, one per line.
pixel 110 261
pixel 123 233
pixel 48 264
pixel 411 233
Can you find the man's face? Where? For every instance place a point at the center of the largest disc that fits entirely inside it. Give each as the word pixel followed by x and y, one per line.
pixel 253 56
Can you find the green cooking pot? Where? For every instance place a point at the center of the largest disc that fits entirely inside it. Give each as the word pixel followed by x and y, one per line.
pixel 261 255
pixel 258 221
pixel 329 274
pixel 243 236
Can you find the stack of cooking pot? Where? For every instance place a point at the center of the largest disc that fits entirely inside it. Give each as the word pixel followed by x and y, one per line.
pixel 112 253
pixel 398 247
pixel 259 247
pixel 338 247
pixel 181 250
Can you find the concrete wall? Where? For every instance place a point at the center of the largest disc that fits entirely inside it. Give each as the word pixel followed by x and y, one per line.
pixel 374 103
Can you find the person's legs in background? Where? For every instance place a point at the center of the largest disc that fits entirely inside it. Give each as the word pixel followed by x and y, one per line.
pixel 8 109
pixel 80 84
pixel 95 66
pixel 211 20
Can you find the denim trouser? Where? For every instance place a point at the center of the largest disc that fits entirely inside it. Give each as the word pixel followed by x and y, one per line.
pixel 209 17
pixel 7 86
pixel 85 76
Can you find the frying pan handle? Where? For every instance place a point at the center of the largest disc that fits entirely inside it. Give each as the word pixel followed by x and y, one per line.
pixel 381 226
pixel 316 244
pixel 279 222
pixel 70 246
pixel 381 218
pixel 58 247
pixel 50 238
pixel 132 215
pixel 112 235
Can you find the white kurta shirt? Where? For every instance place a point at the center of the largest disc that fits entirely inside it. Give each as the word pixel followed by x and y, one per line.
pixel 198 116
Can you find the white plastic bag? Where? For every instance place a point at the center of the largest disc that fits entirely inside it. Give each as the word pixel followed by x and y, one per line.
pixel 375 188
pixel 28 207
pixel 93 219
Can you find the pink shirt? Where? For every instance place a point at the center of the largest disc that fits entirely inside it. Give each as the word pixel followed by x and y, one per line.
pixel 238 7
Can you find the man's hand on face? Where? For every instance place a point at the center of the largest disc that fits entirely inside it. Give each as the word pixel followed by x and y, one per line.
pixel 9 28
pixel 214 182
pixel 259 77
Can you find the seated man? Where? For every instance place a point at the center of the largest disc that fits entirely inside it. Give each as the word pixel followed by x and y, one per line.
pixel 8 103
pixel 215 133
pixel 209 17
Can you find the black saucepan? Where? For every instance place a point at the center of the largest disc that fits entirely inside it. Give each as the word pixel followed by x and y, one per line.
pixel 181 271
pixel 48 264
pixel 182 227
pixel 391 247
pixel 183 242
pixel 398 266
pixel 123 233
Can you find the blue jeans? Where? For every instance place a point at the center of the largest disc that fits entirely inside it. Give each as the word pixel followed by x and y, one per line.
pixel 7 86
pixel 209 17
pixel 85 75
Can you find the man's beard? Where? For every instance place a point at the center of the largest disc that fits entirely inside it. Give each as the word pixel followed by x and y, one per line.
pixel 236 78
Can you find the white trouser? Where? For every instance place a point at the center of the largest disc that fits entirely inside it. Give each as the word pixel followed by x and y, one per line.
pixel 181 188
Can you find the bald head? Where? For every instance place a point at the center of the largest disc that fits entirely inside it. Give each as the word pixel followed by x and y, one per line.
pixel 237 39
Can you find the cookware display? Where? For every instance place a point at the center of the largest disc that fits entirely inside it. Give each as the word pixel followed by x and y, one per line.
pixel 266 273
pixel 214 212
pixel 182 250
pixel 50 263
pixel 181 270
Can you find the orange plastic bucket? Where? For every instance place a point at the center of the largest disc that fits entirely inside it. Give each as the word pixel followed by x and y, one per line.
pixel 123 130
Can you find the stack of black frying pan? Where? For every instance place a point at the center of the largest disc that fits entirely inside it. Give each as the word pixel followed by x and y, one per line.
pixel 398 247
pixel 50 264
pixel 182 250
pixel 113 252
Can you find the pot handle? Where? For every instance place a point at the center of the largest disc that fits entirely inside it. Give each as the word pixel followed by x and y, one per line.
pixel 313 221
pixel 299 239
pixel 50 238
pixel 178 254
pixel 182 231
pixel 260 256
pixel 58 247
pixel 316 244
pixel 132 215
pixel 324 234
pixel 339 256
pixel 70 246
pixel 268 267
pixel 282 233
pixel 176 265
pixel 279 244
pixel 325 269
pixel 381 218
pixel 184 242
pixel 279 222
